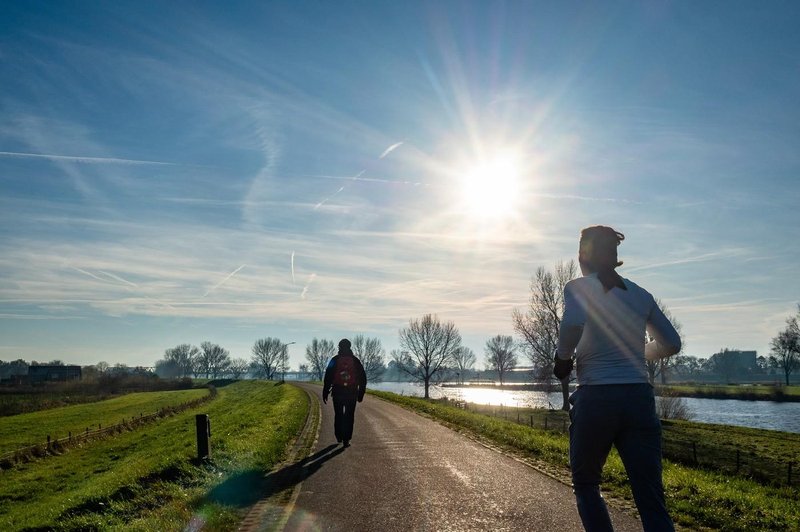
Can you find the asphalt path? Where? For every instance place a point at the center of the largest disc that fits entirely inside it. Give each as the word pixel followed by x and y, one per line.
pixel 406 472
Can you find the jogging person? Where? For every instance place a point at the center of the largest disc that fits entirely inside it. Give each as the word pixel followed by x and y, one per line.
pixel 604 324
pixel 346 381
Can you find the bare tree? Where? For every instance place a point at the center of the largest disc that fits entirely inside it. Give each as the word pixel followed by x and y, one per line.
pixel 238 367
pixel 500 355
pixel 182 357
pixel 464 359
pixel 785 352
pixel 538 326
pixel 214 360
pixel 371 354
pixel 269 357
pixel 660 367
pixel 318 352
pixel 427 346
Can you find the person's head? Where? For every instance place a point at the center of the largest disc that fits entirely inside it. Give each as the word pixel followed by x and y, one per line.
pixel 598 249
pixel 344 346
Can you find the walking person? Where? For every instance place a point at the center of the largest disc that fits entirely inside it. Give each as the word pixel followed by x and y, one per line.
pixel 346 381
pixel 604 324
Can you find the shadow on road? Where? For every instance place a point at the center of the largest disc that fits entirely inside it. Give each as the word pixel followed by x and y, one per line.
pixel 248 487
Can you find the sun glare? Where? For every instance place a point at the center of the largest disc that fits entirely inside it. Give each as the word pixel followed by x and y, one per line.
pixel 491 187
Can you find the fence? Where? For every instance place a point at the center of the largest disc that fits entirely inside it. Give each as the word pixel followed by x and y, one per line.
pixel 705 455
pixel 57 445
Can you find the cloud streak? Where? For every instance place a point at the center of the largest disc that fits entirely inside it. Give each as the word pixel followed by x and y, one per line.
pixel 225 280
pixel 85 159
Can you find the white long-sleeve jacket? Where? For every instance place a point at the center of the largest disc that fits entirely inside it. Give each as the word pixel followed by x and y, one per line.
pixel 606 331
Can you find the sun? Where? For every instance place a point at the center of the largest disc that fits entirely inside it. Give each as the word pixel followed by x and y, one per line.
pixel 490 188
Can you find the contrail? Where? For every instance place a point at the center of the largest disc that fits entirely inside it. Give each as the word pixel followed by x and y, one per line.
pixel 81 159
pixel 293 267
pixel 89 274
pixel 120 279
pixel 321 203
pixel 234 272
pixel 369 180
pixel 390 149
pixel 305 288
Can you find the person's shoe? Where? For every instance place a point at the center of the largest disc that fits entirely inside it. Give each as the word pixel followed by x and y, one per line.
pixel 338 440
pixel 346 443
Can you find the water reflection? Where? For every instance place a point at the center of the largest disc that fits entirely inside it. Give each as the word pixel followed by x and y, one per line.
pixel 756 414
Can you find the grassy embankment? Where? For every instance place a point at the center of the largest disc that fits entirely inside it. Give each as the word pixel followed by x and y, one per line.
pixel 149 479
pixel 24 399
pixel 698 499
pixel 754 392
pixel 32 429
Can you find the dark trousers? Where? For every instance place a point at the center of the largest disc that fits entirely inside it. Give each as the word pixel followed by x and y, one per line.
pixel 622 415
pixel 344 408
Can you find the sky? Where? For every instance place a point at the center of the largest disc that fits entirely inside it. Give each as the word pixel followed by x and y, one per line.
pixel 180 172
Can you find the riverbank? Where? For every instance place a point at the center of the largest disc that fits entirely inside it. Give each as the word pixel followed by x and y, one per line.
pixel 742 392
pixel 698 497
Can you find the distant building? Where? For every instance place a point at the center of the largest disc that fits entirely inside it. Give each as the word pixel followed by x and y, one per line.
pixel 38 374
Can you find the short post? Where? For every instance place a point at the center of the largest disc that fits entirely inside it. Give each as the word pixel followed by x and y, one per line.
pixel 517 415
pixel 789 474
pixel 48 441
pixel 203 426
pixel 694 452
pixel 564 426
pixel 532 420
pixel 737 460
pixel 70 436
pixel 545 422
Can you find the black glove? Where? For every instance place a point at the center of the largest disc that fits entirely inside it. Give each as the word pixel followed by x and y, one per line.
pixel 325 398
pixel 562 368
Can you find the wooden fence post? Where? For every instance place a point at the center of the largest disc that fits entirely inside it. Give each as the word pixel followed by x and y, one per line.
pixel 737 460
pixel 789 474
pixel 532 420
pixel 694 452
pixel 203 427
pixel 48 442
pixel 545 422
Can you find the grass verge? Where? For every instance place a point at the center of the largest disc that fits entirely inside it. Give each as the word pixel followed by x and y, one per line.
pixel 697 499
pixel 32 429
pixel 149 479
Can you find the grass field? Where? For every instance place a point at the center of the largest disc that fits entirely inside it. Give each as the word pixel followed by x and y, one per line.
pixel 31 429
pixel 149 480
pixel 698 499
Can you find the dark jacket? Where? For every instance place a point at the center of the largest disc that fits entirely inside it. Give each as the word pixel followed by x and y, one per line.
pixel 361 379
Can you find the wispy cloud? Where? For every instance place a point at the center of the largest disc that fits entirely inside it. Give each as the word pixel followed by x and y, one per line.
pixel 293 282
pixel 222 282
pixel 308 285
pixel 390 149
pixel 38 317
pixel 84 159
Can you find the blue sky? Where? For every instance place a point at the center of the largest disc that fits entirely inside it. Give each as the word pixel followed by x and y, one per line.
pixel 180 172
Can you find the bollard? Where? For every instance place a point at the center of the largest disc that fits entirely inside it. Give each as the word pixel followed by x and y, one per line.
pixel 532 420
pixel 203 426
pixel 545 422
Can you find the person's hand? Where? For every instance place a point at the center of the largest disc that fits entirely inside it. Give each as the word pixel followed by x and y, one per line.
pixel 562 368
pixel 324 400
pixel 360 399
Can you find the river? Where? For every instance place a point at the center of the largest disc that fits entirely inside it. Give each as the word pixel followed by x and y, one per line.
pixel 756 414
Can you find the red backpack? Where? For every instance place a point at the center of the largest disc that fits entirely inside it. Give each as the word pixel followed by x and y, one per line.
pixel 344 374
